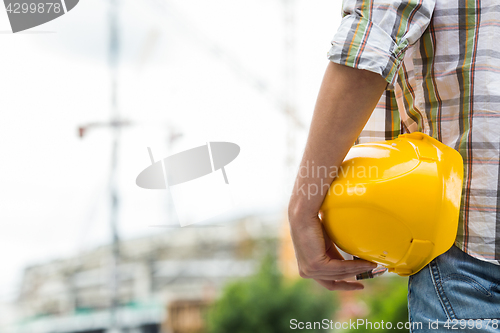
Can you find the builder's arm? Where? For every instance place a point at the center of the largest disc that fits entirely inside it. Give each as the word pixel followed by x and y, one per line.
pixel 366 54
pixel 346 100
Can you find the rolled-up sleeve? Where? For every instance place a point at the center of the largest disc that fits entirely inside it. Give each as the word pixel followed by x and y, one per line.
pixel 374 34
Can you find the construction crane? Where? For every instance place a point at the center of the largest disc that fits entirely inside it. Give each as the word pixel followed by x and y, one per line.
pixel 115 124
pixel 284 102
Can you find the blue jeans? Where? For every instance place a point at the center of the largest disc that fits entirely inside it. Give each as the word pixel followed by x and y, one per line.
pixel 455 293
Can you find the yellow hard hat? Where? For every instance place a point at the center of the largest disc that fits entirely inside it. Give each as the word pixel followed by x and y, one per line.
pixel 396 202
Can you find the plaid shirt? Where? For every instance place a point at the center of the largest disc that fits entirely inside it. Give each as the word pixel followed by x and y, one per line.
pixel 441 60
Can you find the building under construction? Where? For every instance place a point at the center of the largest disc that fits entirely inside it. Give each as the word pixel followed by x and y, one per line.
pixel 164 281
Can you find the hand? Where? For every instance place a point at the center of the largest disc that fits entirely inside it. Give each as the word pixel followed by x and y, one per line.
pixel 319 259
pixel 339 117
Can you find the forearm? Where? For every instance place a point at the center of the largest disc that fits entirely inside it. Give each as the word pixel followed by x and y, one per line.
pixel 345 101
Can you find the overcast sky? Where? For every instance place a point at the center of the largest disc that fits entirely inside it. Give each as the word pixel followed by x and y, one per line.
pixel 187 67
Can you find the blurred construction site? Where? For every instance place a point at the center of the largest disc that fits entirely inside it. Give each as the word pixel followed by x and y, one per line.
pixel 165 280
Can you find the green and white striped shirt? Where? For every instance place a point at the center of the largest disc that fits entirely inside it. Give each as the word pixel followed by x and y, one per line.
pixel 441 60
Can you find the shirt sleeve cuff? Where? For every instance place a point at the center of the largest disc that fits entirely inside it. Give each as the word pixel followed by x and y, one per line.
pixel 359 43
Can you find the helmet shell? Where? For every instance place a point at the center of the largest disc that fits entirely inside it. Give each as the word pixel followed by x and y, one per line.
pixel 396 202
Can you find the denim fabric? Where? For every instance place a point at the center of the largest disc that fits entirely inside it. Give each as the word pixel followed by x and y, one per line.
pixel 455 293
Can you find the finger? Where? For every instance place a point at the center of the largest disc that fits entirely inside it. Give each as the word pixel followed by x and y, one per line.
pixel 339 271
pixel 335 267
pixel 332 250
pixel 329 277
pixel 340 285
pixel 347 265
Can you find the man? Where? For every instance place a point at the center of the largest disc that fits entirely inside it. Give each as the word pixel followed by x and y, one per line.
pixel 403 66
